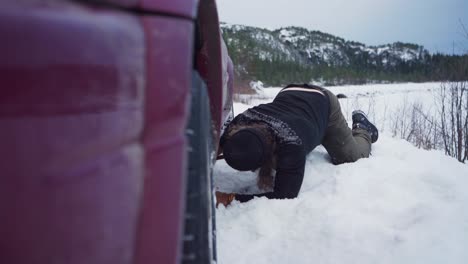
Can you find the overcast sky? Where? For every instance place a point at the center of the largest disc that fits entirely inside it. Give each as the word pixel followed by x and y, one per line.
pixel 432 23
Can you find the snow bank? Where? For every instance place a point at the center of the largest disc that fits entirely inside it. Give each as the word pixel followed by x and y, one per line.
pixel 401 205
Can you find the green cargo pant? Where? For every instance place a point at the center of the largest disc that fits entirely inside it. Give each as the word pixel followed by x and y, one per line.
pixel 342 143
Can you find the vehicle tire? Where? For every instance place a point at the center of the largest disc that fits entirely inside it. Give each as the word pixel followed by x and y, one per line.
pixel 200 232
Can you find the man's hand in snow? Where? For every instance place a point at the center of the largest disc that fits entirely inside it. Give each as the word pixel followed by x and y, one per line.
pixel 224 198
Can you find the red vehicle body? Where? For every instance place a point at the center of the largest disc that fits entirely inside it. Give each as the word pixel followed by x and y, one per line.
pixel 94 105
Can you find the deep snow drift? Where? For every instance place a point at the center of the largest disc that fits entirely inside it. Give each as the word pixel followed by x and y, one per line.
pixel 402 205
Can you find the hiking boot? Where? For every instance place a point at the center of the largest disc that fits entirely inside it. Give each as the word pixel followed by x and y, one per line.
pixel 361 121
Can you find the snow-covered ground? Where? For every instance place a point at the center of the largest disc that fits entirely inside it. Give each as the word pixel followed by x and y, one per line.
pixel 382 102
pixel 402 205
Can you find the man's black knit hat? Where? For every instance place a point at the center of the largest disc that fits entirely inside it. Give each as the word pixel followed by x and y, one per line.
pixel 245 150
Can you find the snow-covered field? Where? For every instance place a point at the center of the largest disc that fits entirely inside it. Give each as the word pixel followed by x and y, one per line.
pixel 402 205
pixel 381 102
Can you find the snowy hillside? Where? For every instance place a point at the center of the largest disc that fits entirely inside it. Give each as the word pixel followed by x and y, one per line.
pixel 285 55
pixel 257 42
pixel 317 48
pixel 334 51
pixel 401 205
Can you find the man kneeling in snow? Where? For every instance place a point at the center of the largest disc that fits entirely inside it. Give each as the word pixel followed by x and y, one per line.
pixel 280 134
